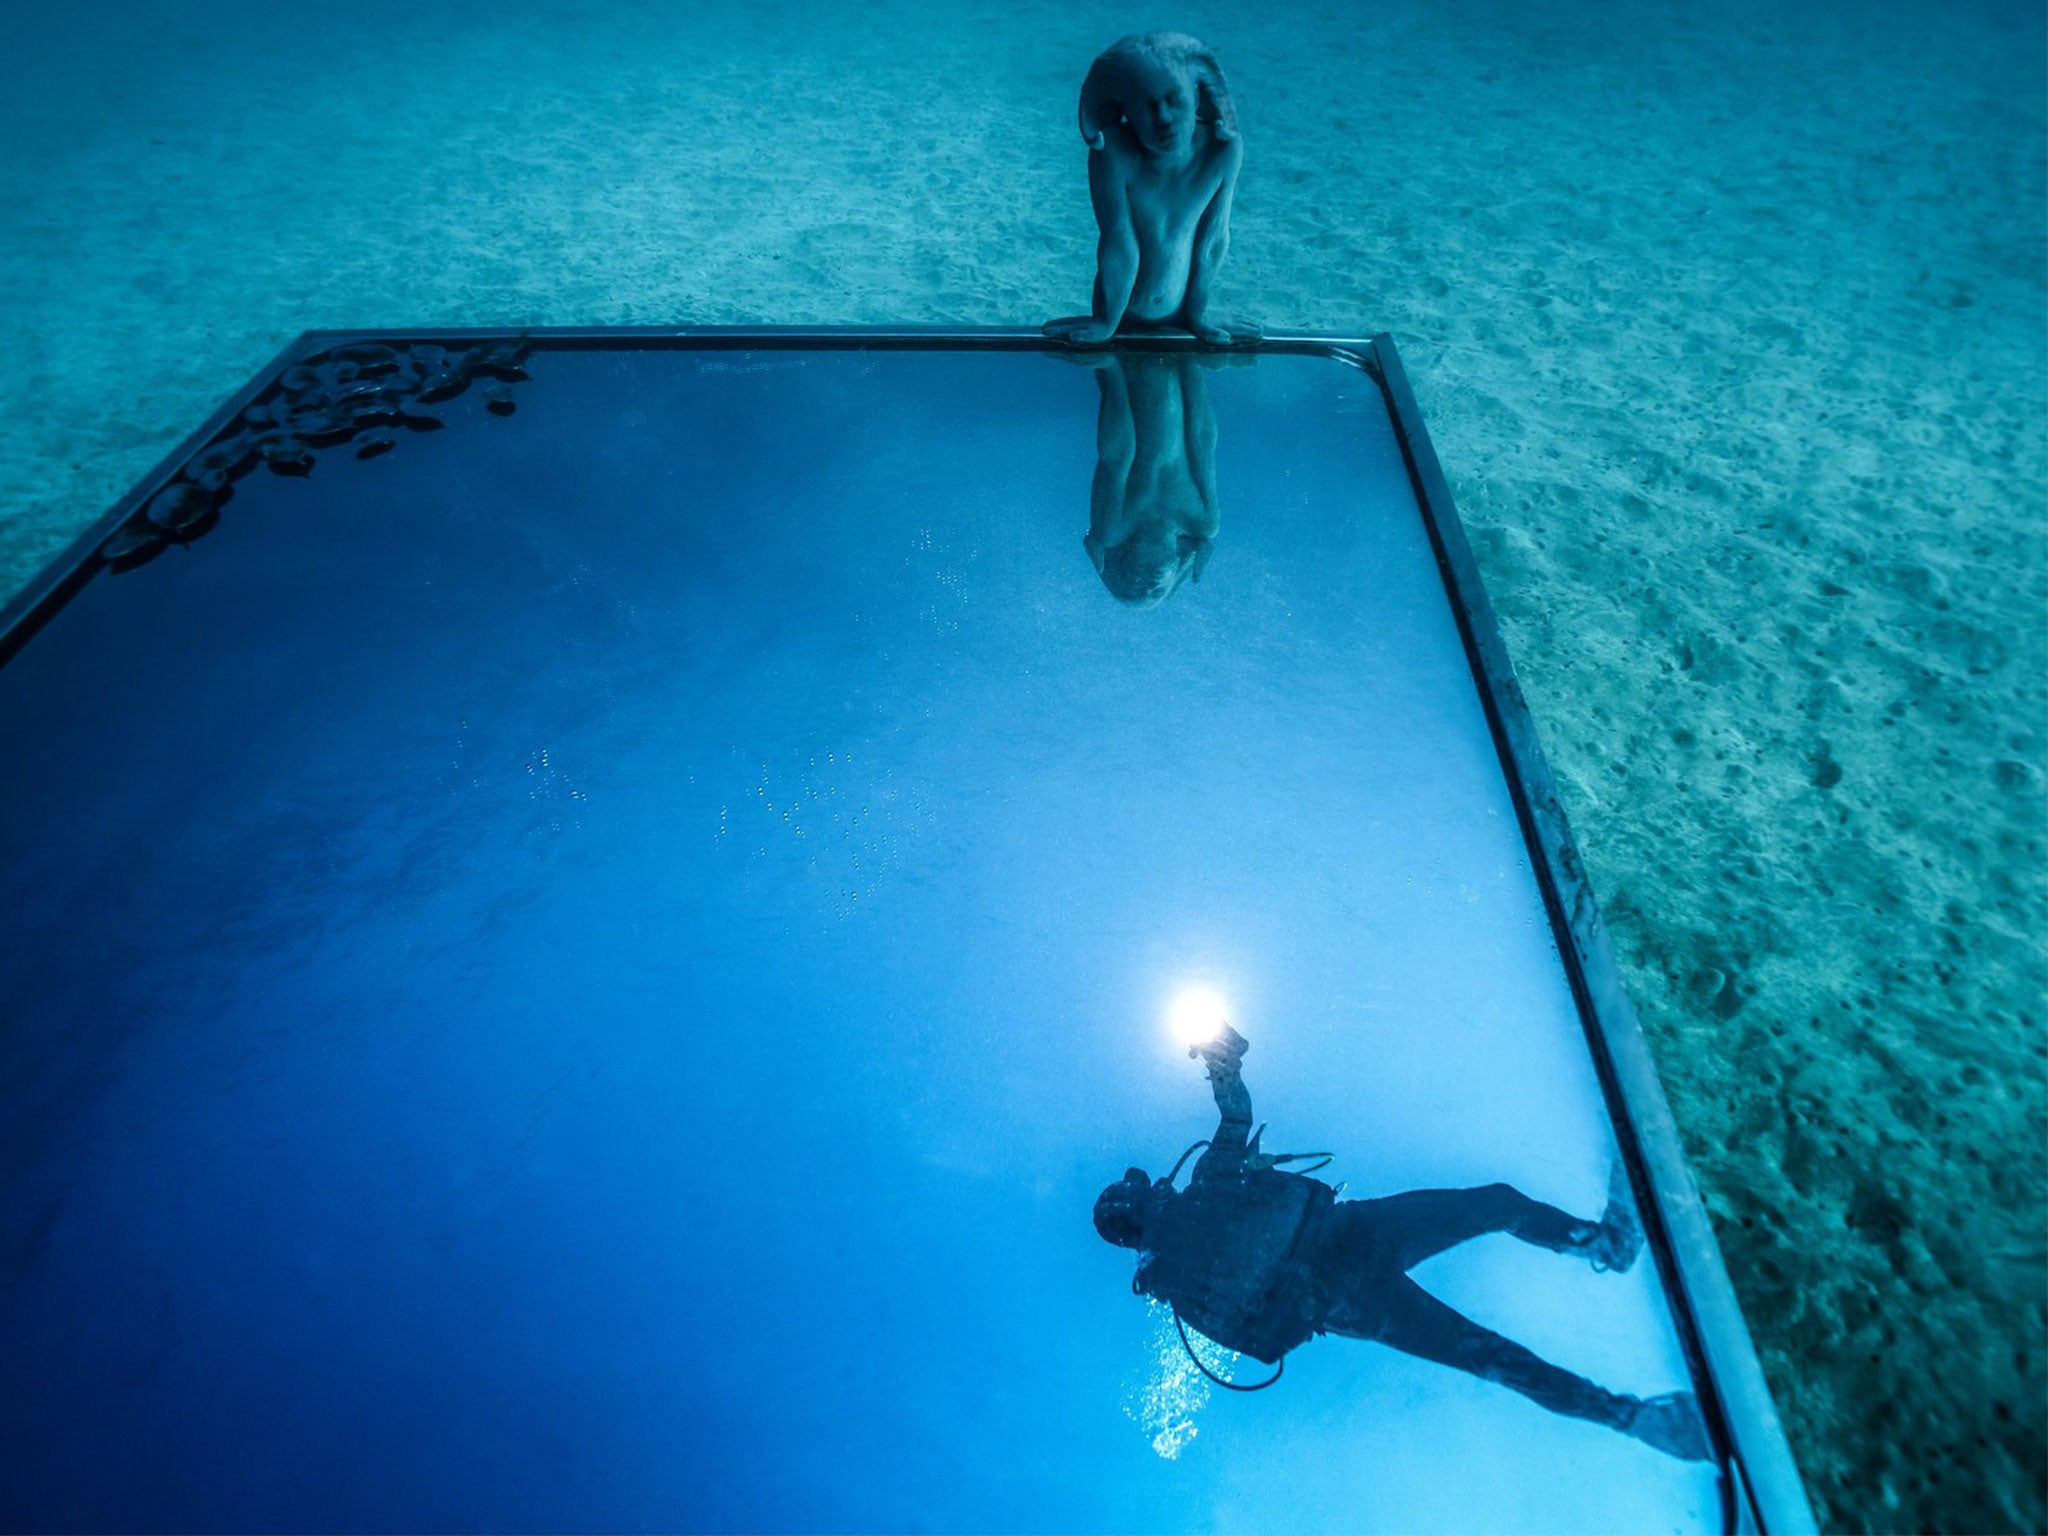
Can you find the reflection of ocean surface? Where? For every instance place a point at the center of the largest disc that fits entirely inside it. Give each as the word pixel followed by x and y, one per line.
pixel 1738 380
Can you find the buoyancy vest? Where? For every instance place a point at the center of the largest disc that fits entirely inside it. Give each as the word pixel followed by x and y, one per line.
pixel 1235 1256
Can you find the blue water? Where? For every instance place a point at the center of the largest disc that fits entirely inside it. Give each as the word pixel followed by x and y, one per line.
pixel 586 973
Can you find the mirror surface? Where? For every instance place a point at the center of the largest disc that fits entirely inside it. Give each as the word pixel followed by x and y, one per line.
pixel 589 971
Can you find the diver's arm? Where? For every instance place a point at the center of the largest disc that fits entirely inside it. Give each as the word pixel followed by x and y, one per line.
pixel 1233 1131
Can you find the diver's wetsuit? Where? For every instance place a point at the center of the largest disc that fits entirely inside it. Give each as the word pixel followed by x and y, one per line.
pixel 1261 1261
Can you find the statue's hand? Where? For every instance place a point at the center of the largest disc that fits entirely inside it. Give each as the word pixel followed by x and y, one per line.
pixel 1080 330
pixel 1227 330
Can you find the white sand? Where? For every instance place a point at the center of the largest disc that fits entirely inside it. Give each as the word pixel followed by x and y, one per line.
pixel 1730 326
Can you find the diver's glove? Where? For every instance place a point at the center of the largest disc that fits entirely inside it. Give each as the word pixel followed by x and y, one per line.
pixel 1227 1049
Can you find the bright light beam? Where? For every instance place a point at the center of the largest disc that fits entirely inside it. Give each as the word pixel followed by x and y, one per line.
pixel 1198 1016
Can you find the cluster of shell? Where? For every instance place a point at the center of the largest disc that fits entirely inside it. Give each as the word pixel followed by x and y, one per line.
pixel 364 394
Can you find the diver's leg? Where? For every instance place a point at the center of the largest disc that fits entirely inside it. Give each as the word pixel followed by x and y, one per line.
pixel 1416 1323
pixel 1424 1222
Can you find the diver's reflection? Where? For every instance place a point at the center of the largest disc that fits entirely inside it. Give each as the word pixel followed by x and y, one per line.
pixel 1152 512
pixel 1262 1260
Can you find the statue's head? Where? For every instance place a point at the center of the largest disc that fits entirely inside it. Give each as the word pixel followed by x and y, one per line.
pixel 1163 84
pixel 1121 1209
pixel 1150 564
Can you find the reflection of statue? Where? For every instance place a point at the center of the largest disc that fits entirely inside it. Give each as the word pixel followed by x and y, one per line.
pixel 1152 513
pixel 1262 1260
pixel 1163 156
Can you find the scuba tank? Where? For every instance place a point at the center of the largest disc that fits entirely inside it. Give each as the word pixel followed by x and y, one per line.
pixel 1255 1162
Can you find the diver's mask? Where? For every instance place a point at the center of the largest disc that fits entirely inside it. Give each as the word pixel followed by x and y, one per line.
pixel 1120 1209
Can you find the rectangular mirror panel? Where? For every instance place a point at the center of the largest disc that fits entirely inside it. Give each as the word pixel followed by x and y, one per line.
pixel 593 970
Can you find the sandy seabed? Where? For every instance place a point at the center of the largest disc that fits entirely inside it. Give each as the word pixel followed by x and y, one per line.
pixel 1731 325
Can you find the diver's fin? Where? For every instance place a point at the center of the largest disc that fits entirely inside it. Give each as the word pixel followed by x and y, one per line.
pixel 1672 1424
pixel 1618 1239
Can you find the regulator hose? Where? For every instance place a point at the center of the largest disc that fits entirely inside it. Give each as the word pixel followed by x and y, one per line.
pixel 1279 1366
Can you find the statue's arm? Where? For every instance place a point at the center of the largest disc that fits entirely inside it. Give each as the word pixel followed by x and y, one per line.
pixel 1212 242
pixel 1199 423
pixel 1116 248
pixel 1116 447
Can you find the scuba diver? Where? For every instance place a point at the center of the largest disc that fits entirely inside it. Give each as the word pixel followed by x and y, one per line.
pixel 1261 1260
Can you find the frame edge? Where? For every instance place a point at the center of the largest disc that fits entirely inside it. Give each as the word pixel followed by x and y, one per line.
pixel 1768 1471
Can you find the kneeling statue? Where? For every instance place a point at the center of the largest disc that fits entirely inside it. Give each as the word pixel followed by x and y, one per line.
pixel 1163 156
